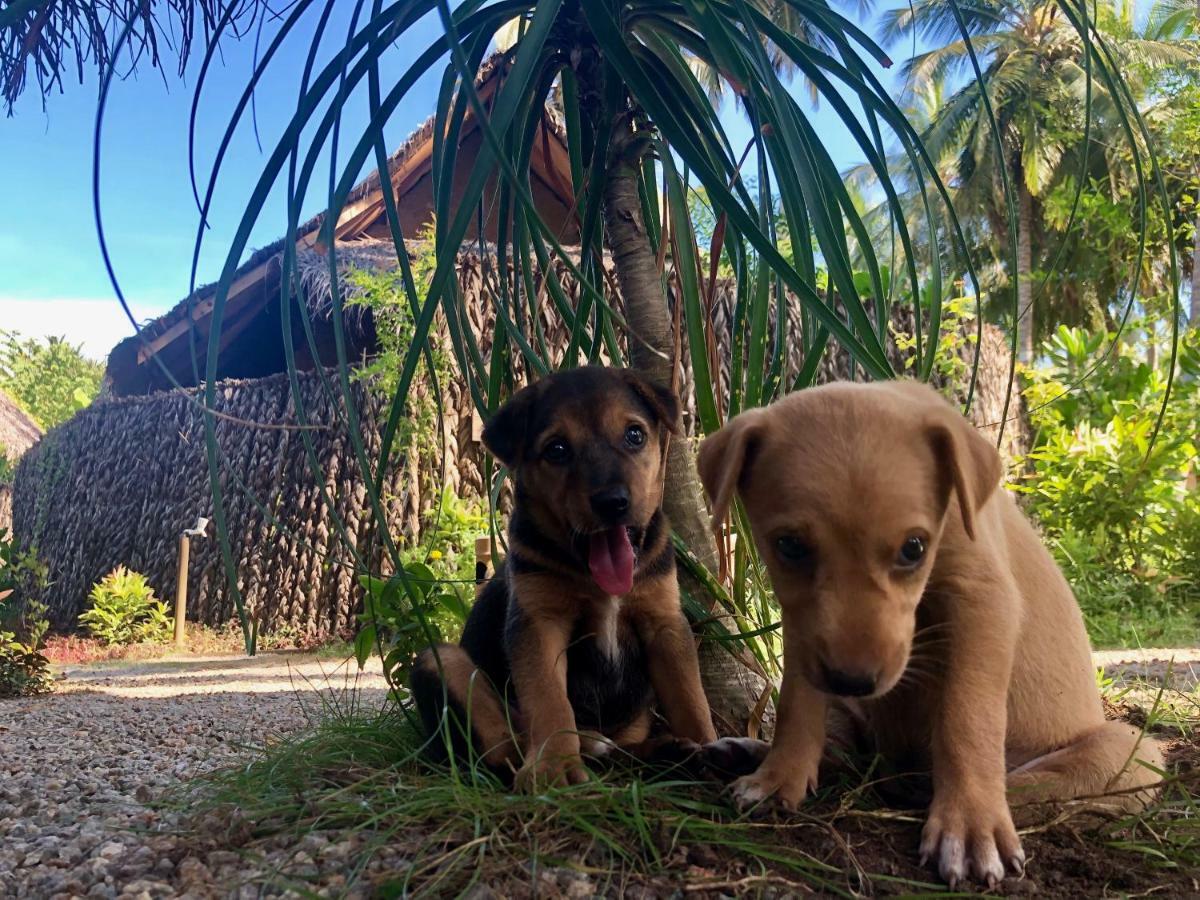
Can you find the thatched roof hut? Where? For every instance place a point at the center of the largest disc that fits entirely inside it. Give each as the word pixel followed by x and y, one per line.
pixel 251 345
pixel 119 482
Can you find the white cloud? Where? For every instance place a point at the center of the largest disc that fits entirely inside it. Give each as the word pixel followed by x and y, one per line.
pixel 96 324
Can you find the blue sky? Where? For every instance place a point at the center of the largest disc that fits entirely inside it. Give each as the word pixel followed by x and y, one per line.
pixel 52 278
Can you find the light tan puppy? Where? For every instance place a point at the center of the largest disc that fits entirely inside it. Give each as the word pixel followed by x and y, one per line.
pixel 908 580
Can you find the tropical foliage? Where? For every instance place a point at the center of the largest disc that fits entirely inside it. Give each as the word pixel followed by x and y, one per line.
pixel 124 610
pixel 51 379
pixel 23 670
pixel 1119 508
pixel 1047 153
pixel 23 577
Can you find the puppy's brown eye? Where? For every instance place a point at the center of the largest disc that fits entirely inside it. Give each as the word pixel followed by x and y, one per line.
pixel 556 451
pixel 794 551
pixel 635 436
pixel 911 553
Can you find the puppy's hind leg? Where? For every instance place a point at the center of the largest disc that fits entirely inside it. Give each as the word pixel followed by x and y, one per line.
pixel 1114 765
pixel 475 708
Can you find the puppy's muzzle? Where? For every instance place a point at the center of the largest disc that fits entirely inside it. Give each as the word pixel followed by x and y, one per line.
pixel 848 683
pixel 611 504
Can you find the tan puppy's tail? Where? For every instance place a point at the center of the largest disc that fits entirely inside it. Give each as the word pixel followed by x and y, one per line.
pixel 1113 768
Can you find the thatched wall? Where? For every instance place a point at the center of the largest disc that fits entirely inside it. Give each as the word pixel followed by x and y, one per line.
pixel 480 291
pixel 5 507
pixel 120 481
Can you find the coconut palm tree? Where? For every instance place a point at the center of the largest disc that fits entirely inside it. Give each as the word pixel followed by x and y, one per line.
pixel 1034 81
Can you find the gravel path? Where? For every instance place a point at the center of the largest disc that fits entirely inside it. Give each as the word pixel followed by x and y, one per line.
pixel 1153 666
pixel 80 769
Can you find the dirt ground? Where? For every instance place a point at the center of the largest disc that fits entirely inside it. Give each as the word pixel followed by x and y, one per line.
pixel 80 818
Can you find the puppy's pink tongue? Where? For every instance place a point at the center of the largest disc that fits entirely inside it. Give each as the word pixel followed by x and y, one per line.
pixel 610 559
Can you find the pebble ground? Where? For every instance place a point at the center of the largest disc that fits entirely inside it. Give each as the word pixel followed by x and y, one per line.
pixel 80 771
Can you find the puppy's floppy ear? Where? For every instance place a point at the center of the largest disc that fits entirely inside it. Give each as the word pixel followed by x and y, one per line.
pixel 661 401
pixel 507 432
pixel 723 457
pixel 966 460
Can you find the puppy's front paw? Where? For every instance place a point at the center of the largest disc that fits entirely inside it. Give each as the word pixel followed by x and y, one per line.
pixel 732 756
pixel 972 840
pixel 538 774
pixel 595 745
pixel 788 784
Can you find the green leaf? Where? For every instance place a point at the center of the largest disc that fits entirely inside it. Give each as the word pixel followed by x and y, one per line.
pixel 364 644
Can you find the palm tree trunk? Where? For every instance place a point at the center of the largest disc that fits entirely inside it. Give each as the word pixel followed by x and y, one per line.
pixel 1025 324
pixel 731 688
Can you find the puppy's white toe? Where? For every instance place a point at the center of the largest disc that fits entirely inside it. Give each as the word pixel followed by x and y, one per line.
pixel 987 865
pixel 747 792
pixel 952 859
pixel 595 746
pixel 1016 862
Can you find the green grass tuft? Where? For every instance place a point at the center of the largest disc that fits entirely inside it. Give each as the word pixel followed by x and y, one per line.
pixel 440 830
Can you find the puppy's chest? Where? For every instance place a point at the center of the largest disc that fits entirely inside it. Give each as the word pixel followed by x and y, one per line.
pixel 607 679
pixel 603 635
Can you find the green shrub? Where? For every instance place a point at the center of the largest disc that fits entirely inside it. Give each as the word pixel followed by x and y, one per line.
pixel 50 378
pixel 23 579
pixel 125 611
pixel 23 670
pixel 8 468
pixel 1115 508
pixel 399 622
pixel 448 538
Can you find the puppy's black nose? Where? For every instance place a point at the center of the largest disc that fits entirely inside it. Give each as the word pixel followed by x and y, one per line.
pixel 847 684
pixel 611 503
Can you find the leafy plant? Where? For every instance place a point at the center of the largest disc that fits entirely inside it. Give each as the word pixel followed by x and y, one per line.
pixel 449 546
pixel 51 379
pixel 125 610
pixel 1017 130
pixel 23 670
pixel 955 345
pixel 406 613
pixel 1117 511
pixel 24 579
pixel 8 469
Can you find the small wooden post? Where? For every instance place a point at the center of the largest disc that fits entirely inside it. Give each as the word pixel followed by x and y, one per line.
pixel 483 558
pixel 185 546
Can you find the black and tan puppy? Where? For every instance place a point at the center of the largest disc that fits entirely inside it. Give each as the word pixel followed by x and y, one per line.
pixel 581 628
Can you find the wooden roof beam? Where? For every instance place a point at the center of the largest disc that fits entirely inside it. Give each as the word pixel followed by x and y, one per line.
pixel 239 293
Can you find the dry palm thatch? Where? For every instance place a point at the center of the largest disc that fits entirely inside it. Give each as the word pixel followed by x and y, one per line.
pixel 54 36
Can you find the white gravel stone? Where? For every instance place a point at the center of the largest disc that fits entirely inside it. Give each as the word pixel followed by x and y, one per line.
pixel 82 769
